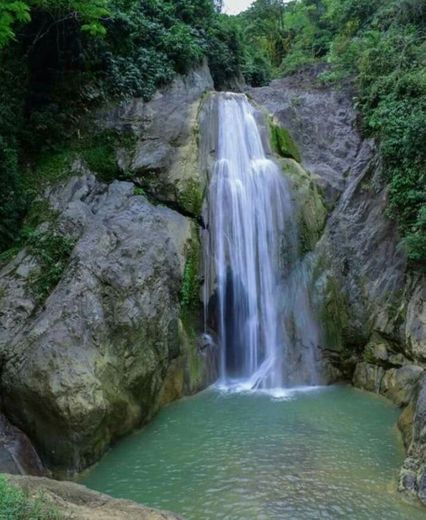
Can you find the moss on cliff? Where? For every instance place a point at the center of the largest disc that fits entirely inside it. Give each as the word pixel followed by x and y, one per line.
pixel 52 251
pixel 190 290
pixel 282 142
pixel 334 315
pixel 51 167
pixel 191 317
pixel 98 150
pixel 313 213
pixel 191 197
pixel 331 304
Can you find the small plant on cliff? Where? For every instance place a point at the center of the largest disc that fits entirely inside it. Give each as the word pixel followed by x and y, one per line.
pixel 191 198
pixel 283 143
pixel 52 250
pixel 189 295
pixel 16 505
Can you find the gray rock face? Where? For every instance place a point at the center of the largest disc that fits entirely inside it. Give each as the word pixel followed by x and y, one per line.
pixel 95 360
pixel 17 455
pixel 322 122
pixel 110 344
pixel 164 161
pixel 75 502
pixel 371 305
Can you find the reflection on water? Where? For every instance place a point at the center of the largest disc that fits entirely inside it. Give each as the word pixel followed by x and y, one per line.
pixel 327 454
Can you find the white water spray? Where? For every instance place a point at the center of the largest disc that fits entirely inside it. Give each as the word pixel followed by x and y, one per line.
pixel 251 252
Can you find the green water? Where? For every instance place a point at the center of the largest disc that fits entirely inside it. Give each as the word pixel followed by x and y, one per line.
pixel 328 454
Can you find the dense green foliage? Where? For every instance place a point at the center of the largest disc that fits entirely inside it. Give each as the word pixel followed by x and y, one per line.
pixel 381 45
pixel 15 505
pixel 14 13
pixel 61 58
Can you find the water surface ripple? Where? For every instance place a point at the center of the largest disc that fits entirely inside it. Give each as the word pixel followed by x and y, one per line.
pixel 332 453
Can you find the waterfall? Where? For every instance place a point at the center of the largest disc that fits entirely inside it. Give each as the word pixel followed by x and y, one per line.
pixel 261 309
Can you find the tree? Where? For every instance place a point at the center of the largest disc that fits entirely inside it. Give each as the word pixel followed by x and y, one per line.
pixel 18 12
pixel 10 14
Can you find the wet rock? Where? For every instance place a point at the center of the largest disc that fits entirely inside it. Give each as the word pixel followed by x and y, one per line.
pixel 399 384
pixel 405 424
pixel 378 351
pixel 368 377
pixel 75 502
pixel 408 477
pixel 17 455
pixel 413 473
pixel 415 323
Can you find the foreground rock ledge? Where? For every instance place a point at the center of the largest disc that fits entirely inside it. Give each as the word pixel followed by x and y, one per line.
pixel 77 502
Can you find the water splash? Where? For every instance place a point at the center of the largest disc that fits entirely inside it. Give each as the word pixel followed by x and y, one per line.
pixel 252 261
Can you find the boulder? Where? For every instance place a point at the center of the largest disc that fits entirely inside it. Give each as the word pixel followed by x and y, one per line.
pixel 112 341
pixel 90 363
pixel 399 384
pixel 17 454
pixel 164 160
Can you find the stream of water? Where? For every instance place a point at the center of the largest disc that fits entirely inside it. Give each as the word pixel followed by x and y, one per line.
pixel 331 453
pixel 267 334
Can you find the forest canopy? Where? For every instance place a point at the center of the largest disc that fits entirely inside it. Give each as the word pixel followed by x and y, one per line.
pixel 61 58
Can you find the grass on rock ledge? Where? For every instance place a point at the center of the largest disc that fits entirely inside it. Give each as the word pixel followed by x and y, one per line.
pixel 15 504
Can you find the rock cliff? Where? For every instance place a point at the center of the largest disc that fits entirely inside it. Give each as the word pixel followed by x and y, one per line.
pixel 114 340
pixel 371 304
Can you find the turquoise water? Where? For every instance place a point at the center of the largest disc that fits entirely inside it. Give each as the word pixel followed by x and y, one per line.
pixel 331 453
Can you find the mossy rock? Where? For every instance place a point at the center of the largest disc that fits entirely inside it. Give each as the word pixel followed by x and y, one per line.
pixel 53 252
pixel 332 305
pixel 191 197
pixel 313 213
pixel 190 290
pixel 99 151
pixel 51 167
pixel 282 142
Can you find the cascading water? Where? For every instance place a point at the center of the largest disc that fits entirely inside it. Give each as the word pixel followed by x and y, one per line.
pixel 261 304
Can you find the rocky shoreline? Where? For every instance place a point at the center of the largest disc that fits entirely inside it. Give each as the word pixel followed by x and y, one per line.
pixel 74 502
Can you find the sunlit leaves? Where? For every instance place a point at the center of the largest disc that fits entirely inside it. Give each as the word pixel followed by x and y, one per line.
pixel 88 13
